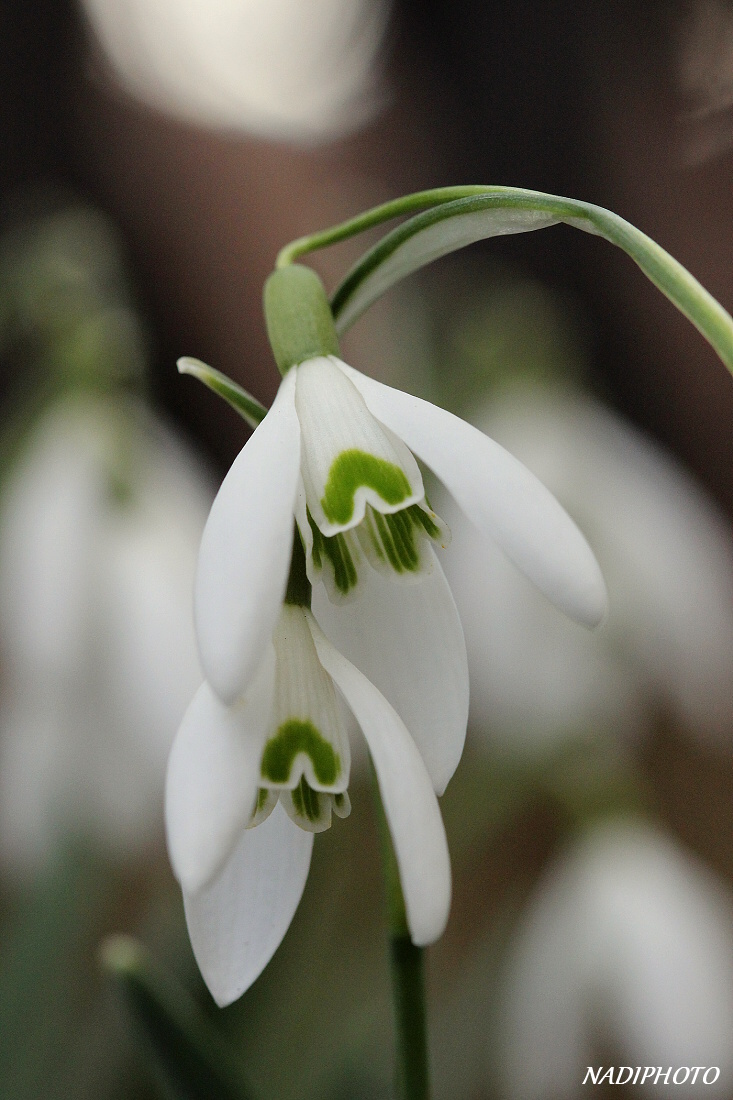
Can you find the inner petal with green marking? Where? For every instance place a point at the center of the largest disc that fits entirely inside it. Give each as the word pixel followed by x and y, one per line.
pixel 395 543
pixel 266 800
pixel 311 809
pixel 298 738
pixel 348 458
pixel 337 559
pixel 392 543
pixel 307 739
pixel 356 470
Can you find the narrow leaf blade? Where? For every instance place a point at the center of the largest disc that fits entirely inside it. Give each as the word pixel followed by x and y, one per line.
pixel 248 407
pixel 191 1060
pixel 503 210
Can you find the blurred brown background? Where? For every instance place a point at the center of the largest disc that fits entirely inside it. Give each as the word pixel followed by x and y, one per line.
pixel 621 104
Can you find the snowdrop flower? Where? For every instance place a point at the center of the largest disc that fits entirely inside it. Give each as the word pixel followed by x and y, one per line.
pixel 99 661
pixel 627 943
pixel 335 451
pixel 334 454
pixel 249 784
pixel 666 555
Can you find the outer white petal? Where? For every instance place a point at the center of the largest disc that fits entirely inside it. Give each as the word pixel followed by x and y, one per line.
pixel 408 640
pixel 245 550
pixel 212 780
pixel 237 923
pixel 501 497
pixel 409 802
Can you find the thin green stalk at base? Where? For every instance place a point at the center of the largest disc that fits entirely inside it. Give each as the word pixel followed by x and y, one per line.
pixel 412 1077
pixel 408 994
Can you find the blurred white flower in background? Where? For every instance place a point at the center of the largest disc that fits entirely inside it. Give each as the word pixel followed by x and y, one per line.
pixel 624 956
pixel 302 70
pixel 667 558
pixel 100 520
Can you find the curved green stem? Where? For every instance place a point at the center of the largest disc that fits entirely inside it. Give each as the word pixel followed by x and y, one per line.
pixel 412 1078
pixel 500 210
pixel 449 218
pixel 386 211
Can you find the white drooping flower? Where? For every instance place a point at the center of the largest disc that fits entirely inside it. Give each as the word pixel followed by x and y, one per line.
pixel 333 451
pixel 666 555
pixel 248 785
pixel 334 457
pixel 626 947
pixel 100 521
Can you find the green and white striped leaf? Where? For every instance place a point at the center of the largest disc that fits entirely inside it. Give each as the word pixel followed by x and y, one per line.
pixel 497 211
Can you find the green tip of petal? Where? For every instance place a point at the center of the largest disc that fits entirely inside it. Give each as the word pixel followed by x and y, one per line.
pixel 355 469
pixel 293 738
pixel 311 810
pixel 307 802
pixel 336 549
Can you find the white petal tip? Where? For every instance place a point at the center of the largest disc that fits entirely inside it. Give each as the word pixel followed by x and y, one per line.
pixel 194 865
pixel 431 929
pixel 223 1000
pixel 237 923
pixel 195 856
pixel 589 604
